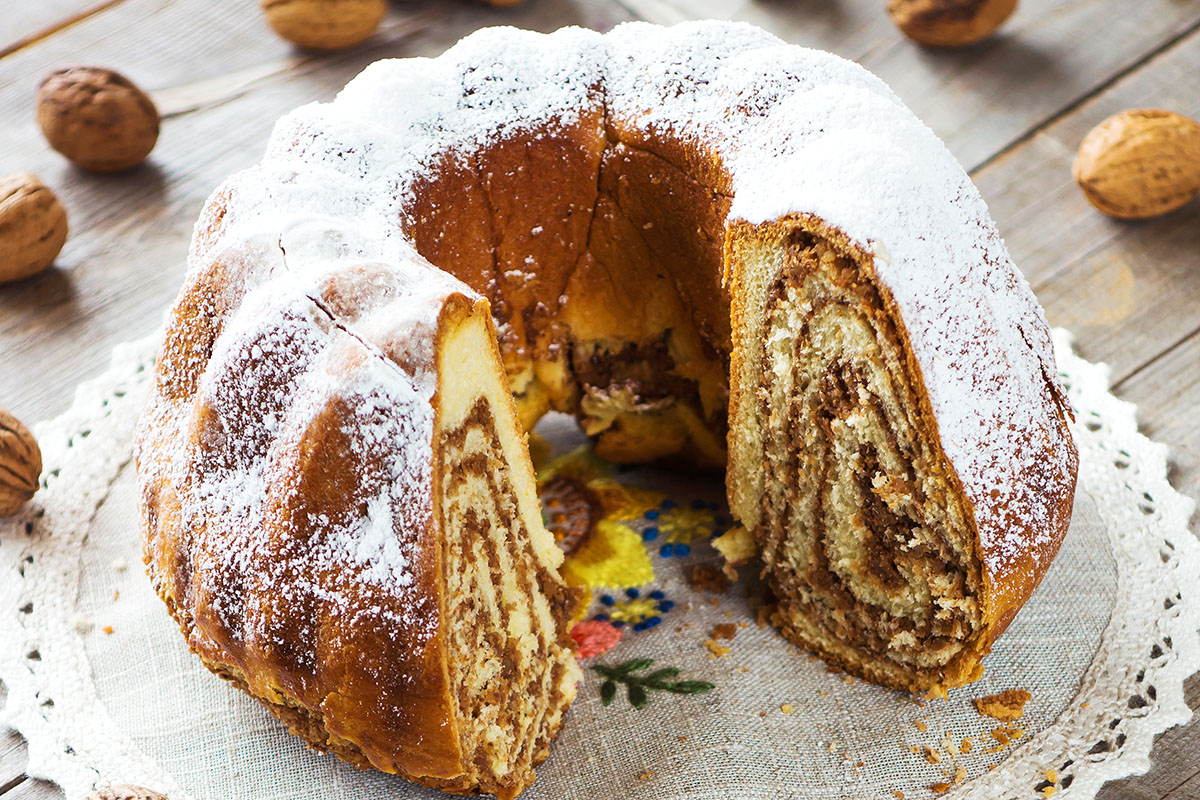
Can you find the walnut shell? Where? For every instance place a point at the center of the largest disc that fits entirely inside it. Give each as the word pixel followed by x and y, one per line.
pixel 125 791
pixel 33 227
pixel 949 23
pixel 97 118
pixel 324 24
pixel 1140 163
pixel 20 464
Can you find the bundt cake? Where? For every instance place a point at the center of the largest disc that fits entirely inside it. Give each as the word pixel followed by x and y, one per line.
pixel 711 247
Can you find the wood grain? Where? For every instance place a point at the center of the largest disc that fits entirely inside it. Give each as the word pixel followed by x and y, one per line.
pixel 979 99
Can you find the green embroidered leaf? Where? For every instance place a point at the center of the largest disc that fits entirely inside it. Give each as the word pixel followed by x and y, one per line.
pixel 635 665
pixel 690 687
pixel 636 685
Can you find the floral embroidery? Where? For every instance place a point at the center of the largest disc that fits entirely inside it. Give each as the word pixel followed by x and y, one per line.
pixel 625 502
pixel 636 685
pixel 611 557
pixel 581 506
pixel 638 611
pixel 594 637
pixel 678 527
pixel 608 532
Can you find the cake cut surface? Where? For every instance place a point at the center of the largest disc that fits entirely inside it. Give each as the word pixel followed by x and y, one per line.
pixel 710 247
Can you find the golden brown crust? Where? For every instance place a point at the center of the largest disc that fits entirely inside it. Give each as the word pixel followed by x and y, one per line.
pixel 607 270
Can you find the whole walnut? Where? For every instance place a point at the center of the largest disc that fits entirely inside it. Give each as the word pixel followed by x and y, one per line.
pixel 20 464
pixel 949 23
pixel 97 118
pixel 1140 163
pixel 33 227
pixel 324 24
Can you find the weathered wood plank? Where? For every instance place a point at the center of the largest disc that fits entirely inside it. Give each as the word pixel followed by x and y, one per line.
pixel 29 789
pixel 28 22
pixel 12 760
pixel 1126 289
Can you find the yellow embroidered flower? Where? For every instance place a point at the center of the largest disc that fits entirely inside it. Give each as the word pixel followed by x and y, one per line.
pixel 611 557
pixel 634 611
pixel 682 525
pixel 624 502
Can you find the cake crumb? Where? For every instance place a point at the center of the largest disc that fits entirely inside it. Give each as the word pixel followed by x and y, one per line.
pixel 683 738
pixel 899 795
pixel 766 615
pixel 116 595
pixel 931 755
pixel 787 708
pixel 706 577
pixel 645 776
pixel 1005 706
pixel 966 745
pixel 716 650
pixel 921 726
pixel 939 788
pixel 725 631
pixel 948 745
pixel 1001 736
pixel 960 775
pixel 833 746
pixel 108 629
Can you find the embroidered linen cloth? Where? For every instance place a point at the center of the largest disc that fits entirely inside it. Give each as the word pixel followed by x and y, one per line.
pixel 686 693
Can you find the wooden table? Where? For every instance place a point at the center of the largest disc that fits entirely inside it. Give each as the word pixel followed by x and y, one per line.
pixel 1012 109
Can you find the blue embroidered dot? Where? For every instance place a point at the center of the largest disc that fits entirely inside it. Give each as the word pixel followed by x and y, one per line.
pixel 667 505
pixel 607 599
pixel 657 595
pixel 651 514
pixel 652 621
pixel 681 549
pixel 618 624
pixel 666 605
pixel 601 617
pixel 641 626
pixel 665 551
pixel 632 593
pixel 650 534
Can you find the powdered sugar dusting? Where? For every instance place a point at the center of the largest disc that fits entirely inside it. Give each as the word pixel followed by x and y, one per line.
pixel 339 310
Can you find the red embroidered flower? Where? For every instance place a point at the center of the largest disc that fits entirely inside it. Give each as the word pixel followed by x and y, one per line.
pixel 594 637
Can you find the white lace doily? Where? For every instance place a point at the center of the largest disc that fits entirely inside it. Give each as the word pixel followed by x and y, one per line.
pixel 101 685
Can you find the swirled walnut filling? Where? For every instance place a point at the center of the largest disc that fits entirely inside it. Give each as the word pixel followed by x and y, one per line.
pixel 864 540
